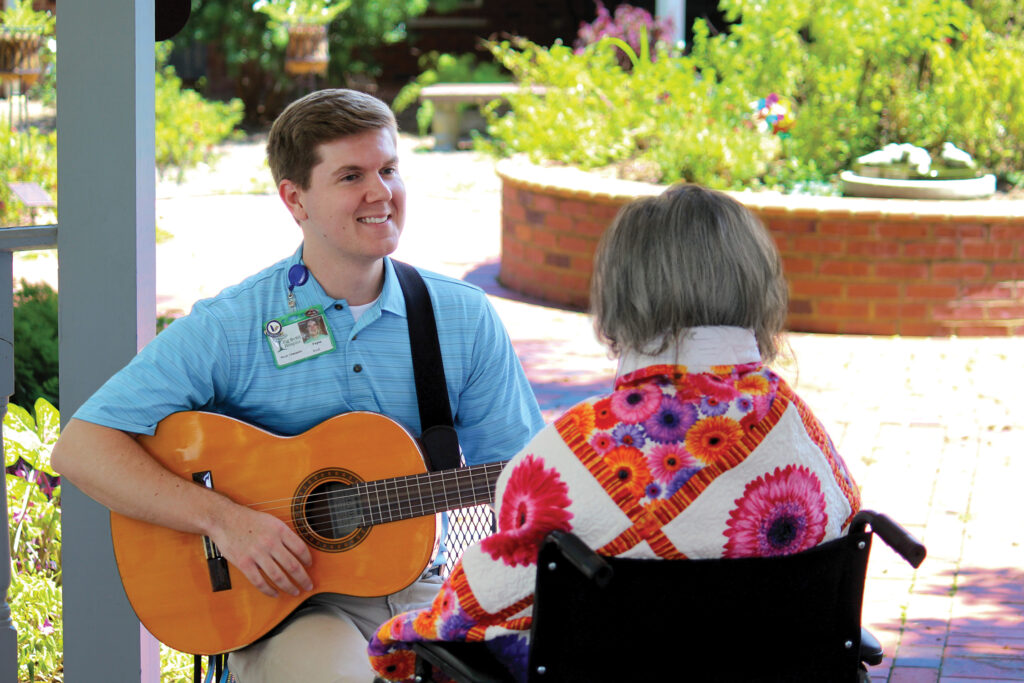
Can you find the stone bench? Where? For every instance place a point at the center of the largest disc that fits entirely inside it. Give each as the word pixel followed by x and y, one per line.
pixel 448 98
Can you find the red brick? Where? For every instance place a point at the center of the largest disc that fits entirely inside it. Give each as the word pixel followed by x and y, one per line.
pixel 573 207
pixel 573 283
pixel 591 228
pixel 1007 231
pixel 1001 290
pixel 583 265
pixel 604 212
pixel 513 210
pixel 931 250
pixel 557 260
pixel 930 291
pixel 815 287
pixel 1008 271
pixel 875 327
pixel 873 248
pixel 913 328
pixel 818 245
pixel 800 307
pixel 559 222
pixel 1007 311
pixel 790 225
pixel 843 309
pixel 542 237
pixel 542 202
pixel 961 230
pixel 511 249
pixel 521 232
pixel 981 330
pixel 872 290
pixel 850 228
pixel 904 230
pixel 977 249
pixel 814 324
pixel 963 312
pixel 855 268
pixel 901 271
pixel 959 271
pixel 576 245
pixel 900 310
pixel 796 265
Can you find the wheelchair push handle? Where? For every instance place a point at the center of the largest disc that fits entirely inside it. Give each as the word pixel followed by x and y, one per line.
pixel 894 535
pixel 586 561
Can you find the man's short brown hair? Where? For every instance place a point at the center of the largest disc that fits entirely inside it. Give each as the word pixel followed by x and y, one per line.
pixel 322 116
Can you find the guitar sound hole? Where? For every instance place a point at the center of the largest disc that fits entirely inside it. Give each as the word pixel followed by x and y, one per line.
pixel 333 510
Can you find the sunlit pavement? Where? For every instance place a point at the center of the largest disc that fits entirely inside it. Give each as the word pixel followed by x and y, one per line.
pixel 930 427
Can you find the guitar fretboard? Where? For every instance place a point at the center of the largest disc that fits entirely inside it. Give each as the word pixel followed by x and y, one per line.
pixel 417 495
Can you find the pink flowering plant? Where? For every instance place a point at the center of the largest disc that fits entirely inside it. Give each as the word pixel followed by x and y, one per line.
pixel 631 26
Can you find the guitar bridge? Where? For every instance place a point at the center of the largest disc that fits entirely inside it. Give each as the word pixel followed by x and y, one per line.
pixel 216 565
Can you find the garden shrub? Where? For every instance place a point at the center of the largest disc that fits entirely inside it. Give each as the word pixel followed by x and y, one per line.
pixel 35 345
pixel 188 126
pixel 860 74
pixel 33 503
pixel 253 51
pixel 28 156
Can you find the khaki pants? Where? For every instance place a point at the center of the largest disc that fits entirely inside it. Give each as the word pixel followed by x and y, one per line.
pixel 325 640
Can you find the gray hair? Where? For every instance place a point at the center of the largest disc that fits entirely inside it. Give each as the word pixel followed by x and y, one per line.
pixel 686 258
pixel 319 117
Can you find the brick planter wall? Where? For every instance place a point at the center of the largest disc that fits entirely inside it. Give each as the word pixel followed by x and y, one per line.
pixel 855 266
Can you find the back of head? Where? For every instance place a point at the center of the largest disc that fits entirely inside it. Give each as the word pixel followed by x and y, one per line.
pixel 689 257
pixel 322 116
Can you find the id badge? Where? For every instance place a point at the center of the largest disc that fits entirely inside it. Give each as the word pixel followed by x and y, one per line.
pixel 298 336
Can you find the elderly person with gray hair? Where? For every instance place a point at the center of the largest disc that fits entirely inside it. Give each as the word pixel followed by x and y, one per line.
pixel 699 451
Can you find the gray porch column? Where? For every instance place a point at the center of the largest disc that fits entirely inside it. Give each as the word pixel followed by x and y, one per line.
pixel 107 289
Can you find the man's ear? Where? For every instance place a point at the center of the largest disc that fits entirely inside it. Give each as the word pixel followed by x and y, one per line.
pixel 291 195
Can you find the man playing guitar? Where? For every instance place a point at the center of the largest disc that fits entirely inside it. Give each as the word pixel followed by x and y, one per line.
pixel 334 158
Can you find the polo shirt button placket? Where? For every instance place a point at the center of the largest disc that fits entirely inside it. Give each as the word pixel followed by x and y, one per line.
pixel 357 368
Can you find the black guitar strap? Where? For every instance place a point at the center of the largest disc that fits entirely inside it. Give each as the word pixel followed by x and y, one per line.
pixel 439 439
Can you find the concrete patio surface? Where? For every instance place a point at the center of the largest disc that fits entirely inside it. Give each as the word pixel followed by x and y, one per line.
pixel 931 428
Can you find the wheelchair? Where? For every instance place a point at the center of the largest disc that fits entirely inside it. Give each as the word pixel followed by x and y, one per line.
pixel 787 618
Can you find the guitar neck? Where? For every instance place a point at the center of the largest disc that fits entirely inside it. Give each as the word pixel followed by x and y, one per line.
pixel 418 495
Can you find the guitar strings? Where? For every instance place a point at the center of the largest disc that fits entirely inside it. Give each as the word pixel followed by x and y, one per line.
pixel 366 497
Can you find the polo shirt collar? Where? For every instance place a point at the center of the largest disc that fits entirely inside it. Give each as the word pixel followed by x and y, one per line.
pixel 391 298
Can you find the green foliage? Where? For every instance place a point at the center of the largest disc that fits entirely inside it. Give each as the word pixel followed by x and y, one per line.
pixel 252 46
pixel 20 15
pixel 35 345
pixel 859 73
pixel 310 12
pixel 662 118
pixel 28 156
pixel 188 126
pixel 444 68
pixel 33 504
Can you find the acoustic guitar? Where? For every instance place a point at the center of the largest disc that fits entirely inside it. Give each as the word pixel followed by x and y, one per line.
pixel 356 488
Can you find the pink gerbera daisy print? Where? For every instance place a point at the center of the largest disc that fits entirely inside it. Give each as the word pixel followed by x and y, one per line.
pixel 779 514
pixel 602 442
pixel 533 504
pixel 667 460
pixel 636 404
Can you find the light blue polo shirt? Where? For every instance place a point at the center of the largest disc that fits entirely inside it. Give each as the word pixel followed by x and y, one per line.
pixel 217 359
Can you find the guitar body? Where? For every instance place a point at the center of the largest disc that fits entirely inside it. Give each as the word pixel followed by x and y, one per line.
pixel 165 572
